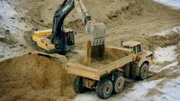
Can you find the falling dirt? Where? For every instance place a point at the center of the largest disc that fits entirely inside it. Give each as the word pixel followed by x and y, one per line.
pixel 34 77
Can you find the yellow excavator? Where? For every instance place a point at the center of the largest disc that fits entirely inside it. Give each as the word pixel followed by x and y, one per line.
pixel 60 40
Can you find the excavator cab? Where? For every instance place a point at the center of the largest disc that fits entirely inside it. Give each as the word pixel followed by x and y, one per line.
pixel 70 41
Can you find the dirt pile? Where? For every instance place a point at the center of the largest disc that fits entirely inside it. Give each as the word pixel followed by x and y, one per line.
pixel 34 77
pixel 163 41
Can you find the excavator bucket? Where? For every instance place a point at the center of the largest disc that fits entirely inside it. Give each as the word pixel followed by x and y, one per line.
pixel 96 47
pixel 97 32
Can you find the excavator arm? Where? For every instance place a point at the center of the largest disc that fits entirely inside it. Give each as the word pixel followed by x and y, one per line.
pixel 58 36
pixel 80 8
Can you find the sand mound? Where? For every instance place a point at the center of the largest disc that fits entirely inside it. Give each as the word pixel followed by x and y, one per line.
pixel 34 77
pixel 163 41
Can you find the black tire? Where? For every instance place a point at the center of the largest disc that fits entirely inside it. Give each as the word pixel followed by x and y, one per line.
pixel 144 71
pixel 134 70
pixel 78 85
pixel 104 88
pixel 118 84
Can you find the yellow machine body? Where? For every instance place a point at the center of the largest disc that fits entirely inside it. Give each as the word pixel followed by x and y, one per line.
pixel 40 38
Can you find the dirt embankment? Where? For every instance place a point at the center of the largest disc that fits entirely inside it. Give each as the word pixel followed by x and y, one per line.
pixel 164 41
pixel 104 11
pixel 33 77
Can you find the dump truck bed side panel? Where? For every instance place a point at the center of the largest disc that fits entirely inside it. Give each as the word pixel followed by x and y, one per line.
pixel 82 70
pixel 116 64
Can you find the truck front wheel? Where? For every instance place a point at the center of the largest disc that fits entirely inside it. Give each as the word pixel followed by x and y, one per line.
pixel 104 88
pixel 78 85
pixel 118 84
pixel 144 71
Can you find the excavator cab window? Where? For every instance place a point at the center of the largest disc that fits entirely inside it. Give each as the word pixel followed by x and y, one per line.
pixel 70 38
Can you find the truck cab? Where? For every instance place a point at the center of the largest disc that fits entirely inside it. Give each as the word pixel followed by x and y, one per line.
pixel 135 46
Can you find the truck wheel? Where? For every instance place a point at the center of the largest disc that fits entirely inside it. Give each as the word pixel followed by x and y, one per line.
pixel 78 85
pixel 104 88
pixel 144 71
pixel 118 84
pixel 134 69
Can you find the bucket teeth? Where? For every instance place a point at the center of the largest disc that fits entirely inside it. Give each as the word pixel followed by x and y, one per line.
pixel 99 41
pixel 97 32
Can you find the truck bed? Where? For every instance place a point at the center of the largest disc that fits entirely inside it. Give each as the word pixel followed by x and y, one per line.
pixel 99 68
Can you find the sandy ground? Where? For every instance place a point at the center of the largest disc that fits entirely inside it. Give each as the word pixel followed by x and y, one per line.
pixel 30 78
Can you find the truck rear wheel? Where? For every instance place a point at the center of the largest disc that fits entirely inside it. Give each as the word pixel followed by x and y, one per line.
pixel 78 85
pixel 144 71
pixel 104 88
pixel 118 83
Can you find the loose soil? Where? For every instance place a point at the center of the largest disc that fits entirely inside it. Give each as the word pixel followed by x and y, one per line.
pixel 34 77
pixel 110 55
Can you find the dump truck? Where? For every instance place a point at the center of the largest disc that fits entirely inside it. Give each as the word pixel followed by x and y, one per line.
pixel 108 77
